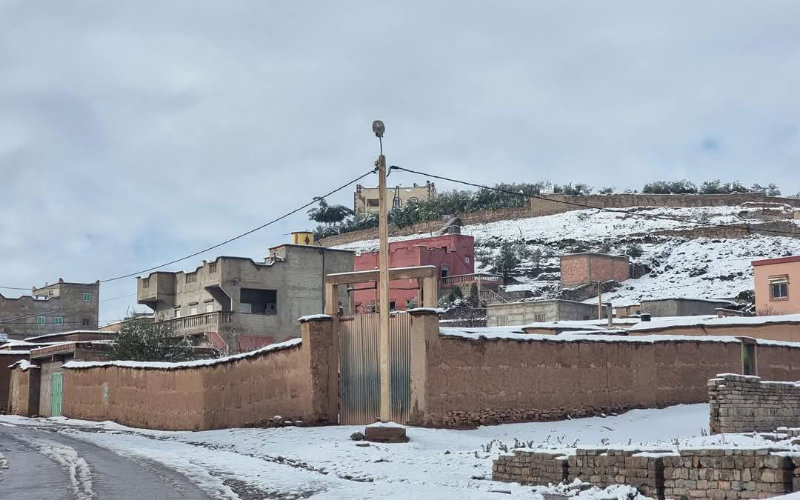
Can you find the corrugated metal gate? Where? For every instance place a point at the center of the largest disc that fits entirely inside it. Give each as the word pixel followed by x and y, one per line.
pixel 359 368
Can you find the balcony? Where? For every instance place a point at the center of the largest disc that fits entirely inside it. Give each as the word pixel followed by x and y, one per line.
pixel 483 280
pixel 202 323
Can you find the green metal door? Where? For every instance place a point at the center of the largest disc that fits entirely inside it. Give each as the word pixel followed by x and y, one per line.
pixel 56 392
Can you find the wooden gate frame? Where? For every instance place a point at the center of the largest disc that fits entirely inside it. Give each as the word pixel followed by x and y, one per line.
pixel 428 275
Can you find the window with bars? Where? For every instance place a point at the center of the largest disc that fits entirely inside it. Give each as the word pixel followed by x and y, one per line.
pixel 58 320
pixel 87 296
pixel 779 288
pixel 41 320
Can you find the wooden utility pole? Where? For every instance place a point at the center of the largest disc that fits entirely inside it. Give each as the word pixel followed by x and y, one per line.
pixel 383 286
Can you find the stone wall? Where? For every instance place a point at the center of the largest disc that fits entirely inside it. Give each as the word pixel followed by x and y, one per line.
pixel 556 204
pixel 469 380
pixel 699 473
pixel 297 382
pixel 727 473
pixel 747 404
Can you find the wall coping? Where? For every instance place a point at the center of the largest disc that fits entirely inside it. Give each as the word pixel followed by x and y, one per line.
pixel 315 317
pixel 200 363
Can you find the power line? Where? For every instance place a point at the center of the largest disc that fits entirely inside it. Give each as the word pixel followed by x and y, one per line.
pixel 15 288
pixel 745 227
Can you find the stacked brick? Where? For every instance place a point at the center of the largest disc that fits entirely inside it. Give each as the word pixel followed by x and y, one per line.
pixel 531 467
pixel 729 473
pixel 702 473
pixel 495 416
pixel 603 468
pixel 741 403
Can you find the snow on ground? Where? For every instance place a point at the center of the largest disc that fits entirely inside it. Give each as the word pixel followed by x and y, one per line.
pixel 680 267
pixel 323 462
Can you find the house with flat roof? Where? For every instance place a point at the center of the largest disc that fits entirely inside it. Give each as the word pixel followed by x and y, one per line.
pixel 365 199
pixel 238 304
pixel 777 285
pixel 585 268
pixel 50 309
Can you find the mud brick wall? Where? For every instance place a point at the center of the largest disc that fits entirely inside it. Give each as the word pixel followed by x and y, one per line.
pixel 527 467
pixel 606 467
pixel 297 382
pixel 24 392
pixel 466 381
pixel 727 473
pixel 741 403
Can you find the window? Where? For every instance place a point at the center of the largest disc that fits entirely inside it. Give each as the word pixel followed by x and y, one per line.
pixel 212 268
pixel 177 313
pixel 539 318
pixel 86 322
pixel 445 271
pixel 41 320
pixel 255 301
pixel 373 203
pixel 392 305
pixel 87 296
pixel 192 311
pixel 58 320
pixel 749 359
pixel 779 288
pixel 191 277
pixel 145 282
pixel 209 308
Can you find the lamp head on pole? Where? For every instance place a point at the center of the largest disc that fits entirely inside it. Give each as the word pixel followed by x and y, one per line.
pixel 379 128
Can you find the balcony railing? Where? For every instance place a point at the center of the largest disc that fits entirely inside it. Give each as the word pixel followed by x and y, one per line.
pixel 201 323
pixel 482 278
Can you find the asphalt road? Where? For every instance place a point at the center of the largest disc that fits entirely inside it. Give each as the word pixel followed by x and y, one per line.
pixel 52 466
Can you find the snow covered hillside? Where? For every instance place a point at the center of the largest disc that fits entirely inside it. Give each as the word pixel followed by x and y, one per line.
pixel 675 265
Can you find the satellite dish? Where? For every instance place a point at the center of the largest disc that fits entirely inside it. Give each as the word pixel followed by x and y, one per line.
pixel 378 127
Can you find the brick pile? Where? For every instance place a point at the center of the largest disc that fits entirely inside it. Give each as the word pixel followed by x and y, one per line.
pixel 531 467
pixel 701 473
pixel 728 473
pixel 742 403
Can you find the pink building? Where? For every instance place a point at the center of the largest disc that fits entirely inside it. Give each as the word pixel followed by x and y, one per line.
pixel 583 268
pixel 776 283
pixel 452 254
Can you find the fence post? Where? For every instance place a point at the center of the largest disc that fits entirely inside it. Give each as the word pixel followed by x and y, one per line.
pixel 320 336
pixel 424 339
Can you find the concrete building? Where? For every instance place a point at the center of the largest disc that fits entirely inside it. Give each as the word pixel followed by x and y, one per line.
pixel 776 285
pixel 585 268
pixel 365 200
pixel 540 311
pixel 50 309
pixel 452 254
pixel 682 307
pixel 241 305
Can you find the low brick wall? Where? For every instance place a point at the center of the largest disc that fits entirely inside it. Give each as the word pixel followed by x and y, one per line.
pixel 747 404
pixel 727 473
pixel 545 467
pixel 706 473
pixel 297 382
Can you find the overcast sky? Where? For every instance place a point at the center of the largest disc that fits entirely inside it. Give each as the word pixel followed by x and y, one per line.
pixel 132 133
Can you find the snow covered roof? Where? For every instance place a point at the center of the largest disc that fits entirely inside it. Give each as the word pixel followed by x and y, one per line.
pixel 14 353
pixel 23 364
pixel 70 332
pixel 157 365
pixel 712 321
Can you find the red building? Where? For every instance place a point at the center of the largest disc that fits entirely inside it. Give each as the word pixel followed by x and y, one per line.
pixel 452 254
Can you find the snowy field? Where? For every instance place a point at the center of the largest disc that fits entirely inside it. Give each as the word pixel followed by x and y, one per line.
pixel 679 267
pixel 323 462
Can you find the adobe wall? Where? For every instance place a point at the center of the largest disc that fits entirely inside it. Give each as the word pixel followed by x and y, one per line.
pixel 749 404
pixel 554 204
pixel 24 392
pixel 471 381
pixel 786 332
pixel 294 382
pixel 6 360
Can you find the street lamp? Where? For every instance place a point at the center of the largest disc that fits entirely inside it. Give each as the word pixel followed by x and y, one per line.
pixel 383 280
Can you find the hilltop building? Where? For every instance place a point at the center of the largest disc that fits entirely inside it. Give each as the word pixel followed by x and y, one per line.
pixel 776 285
pixel 585 268
pixel 50 309
pixel 680 306
pixel 239 304
pixel 538 311
pixel 365 200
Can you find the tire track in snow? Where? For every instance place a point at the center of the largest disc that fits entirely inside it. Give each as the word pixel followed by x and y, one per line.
pixel 80 474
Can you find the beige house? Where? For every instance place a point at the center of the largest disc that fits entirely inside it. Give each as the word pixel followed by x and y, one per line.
pixel 777 285
pixel 238 304
pixel 365 200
